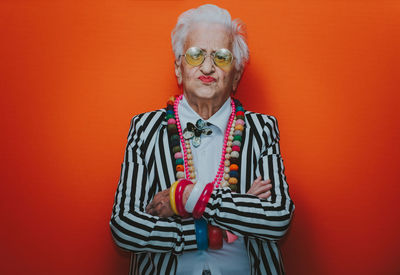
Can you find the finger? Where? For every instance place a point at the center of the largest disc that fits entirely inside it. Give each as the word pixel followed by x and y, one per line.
pixel 149 207
pixel 265 195
pixel 260 183
pixel 165 213
pixel 258 187
pixel 262 189
pixel 152 212
pixel 156 207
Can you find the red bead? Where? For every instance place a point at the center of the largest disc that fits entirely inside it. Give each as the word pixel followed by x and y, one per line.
pixel 240 113
pixel 236 148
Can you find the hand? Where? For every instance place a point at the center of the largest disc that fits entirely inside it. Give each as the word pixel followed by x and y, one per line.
pixel 260 188
pixel 160 205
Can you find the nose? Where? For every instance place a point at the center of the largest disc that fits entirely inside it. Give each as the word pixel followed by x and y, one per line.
pixel 208 66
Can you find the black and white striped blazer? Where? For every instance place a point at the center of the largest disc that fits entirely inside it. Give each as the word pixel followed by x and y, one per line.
pixel 148 168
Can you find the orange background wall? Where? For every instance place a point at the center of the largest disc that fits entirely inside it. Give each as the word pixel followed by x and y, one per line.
pixel 73 73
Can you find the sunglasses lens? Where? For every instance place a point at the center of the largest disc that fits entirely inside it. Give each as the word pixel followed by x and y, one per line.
pixel 194 56
pixel 223 57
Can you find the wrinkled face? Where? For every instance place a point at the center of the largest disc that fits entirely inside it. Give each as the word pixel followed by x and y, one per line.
pixel 207 81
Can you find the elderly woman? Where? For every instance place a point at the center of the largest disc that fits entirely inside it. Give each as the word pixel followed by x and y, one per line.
pixel 202 187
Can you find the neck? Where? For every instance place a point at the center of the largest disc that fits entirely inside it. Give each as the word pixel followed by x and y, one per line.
pixel 205 108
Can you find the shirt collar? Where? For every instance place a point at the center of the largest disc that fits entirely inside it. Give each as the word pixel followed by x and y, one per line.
pixel 219 119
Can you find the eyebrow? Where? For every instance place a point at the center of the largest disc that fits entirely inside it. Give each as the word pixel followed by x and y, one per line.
pixel 213 51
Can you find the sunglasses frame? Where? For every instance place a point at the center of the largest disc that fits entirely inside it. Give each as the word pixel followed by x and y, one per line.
pixel 205 54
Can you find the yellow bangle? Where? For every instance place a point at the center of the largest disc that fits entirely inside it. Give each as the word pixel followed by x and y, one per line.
pixel 172 197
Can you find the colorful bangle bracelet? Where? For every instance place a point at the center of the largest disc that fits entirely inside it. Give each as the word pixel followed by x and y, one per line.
pixel 172 197
pixel 180 188
pixel 194 196
pixel 201 233
pixel 201 204
pixel 215 238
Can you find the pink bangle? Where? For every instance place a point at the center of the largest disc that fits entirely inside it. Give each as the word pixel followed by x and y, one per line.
pixel 201 204
pixel 180 188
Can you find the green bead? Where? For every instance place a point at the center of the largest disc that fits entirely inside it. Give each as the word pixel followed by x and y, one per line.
pixel 174 137
pixel 172 129
pixel 169 116
pixel 179 161
pixel 239 108
pixel 233 187
pixel 240 117
pixel 237 138
pixel 176 149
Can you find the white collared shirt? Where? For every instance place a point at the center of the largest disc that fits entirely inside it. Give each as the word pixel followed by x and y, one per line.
pixel 232 259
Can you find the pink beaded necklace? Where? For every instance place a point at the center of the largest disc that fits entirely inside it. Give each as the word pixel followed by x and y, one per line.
pixel 227 176
pixel 186 144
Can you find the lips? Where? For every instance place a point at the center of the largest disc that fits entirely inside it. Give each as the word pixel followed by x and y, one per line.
pixel 207 79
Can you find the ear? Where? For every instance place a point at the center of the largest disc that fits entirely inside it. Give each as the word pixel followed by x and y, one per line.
pixel 178 71
pixel 236 78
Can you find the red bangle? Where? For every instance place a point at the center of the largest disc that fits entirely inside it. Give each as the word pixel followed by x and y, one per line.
pixel 201 204
pixel 180 188
pixel 214 237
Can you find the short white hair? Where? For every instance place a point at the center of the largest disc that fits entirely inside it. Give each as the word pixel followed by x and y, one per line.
pixel 211 14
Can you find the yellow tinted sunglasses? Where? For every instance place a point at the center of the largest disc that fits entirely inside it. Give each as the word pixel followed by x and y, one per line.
pixel 195 56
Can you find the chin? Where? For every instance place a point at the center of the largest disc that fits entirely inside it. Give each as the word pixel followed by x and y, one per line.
pixel 205 93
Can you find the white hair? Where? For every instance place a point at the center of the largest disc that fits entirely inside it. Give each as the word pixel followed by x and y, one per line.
pixel 211 14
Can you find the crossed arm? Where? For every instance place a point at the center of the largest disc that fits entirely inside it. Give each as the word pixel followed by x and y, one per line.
pixel 139 227
pixel 160 205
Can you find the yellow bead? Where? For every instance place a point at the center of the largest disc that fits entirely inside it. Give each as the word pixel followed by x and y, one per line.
pixel 224 183
pixel 239 127
pixel 226 176
pixel 233 181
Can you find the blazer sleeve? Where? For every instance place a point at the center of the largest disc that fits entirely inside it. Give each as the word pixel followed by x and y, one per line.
pixel 247 215
pixel 131 227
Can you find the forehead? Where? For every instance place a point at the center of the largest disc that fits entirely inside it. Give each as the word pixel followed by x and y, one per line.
pixel 208 36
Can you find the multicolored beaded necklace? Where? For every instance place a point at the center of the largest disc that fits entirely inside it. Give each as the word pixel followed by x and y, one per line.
pixel 228 171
